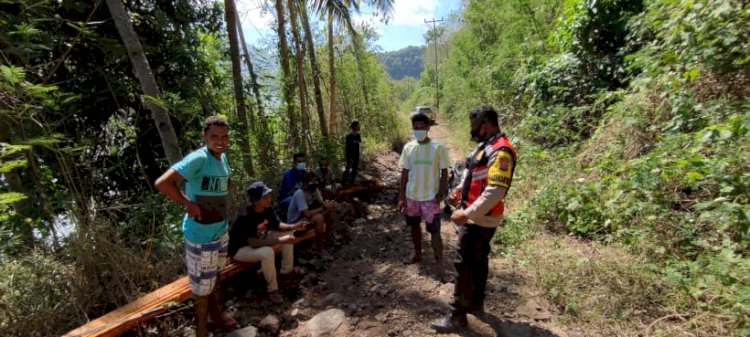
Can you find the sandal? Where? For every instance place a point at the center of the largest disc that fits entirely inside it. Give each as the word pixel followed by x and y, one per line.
pixel 414 259
pixel 275 297
pixel 296 271
pixel 227 322
pixel 326 256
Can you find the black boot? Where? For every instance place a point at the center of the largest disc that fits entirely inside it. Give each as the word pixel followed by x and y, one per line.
pixel 449 323
pixel 478 312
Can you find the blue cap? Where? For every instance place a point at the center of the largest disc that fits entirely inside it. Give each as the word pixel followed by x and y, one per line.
pixel 257 190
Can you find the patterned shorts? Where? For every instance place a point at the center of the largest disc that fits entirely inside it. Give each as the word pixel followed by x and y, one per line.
pixel 204 262
pixel 428 210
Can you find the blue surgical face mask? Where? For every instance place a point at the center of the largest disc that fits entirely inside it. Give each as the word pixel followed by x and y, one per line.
pixel 420 135
pixel 301 166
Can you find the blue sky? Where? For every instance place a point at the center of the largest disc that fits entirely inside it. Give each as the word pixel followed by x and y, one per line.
pixel 405 28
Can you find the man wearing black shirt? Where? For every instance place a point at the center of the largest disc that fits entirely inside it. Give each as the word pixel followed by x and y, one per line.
pixel 255 234
pixel 351 154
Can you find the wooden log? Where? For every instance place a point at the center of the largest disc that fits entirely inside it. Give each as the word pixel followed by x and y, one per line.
pixel 359 188
pixel 156 302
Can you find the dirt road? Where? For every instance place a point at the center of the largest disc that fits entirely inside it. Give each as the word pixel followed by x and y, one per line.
pixel 367 290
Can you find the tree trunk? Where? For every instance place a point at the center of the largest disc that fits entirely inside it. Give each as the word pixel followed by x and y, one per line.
pixel 358 53
pixel 24 208
pixel 333 121
pixel 248 61
pixel 239 94
pixel 259 124
pixel 300 63
pixel 315 69
pixel 146 78
pixel 287 73
pixel 14 181
pixel 41 197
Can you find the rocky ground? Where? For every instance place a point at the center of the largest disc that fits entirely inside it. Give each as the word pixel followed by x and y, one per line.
pixel 366 290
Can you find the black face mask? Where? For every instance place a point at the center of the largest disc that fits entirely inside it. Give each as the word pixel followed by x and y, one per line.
pixel 312 187
pixel 477 136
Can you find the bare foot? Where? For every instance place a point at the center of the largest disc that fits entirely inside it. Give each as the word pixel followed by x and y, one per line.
pixel 440 271
pixel 275 297
pixel 414 259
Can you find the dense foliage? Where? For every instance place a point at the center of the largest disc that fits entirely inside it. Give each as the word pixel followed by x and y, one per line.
pixel 632 119
pixel 82 230
pixel 403 62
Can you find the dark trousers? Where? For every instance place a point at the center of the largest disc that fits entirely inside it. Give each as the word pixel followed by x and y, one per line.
pixel 350 172
pixel 472 266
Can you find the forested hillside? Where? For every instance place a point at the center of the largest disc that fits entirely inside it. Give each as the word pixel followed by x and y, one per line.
pixel 98 98
pixel 631 203
pixel 403 62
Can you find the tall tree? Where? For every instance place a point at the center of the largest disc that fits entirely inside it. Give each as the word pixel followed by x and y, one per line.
pixel 339 11
pixel 239 94
pixel 359 49
pixel 146 78
pixel 315 68
pixel 300 65
pixel 259 124
pixel 287 73
pixel 333 118
pixel 248 61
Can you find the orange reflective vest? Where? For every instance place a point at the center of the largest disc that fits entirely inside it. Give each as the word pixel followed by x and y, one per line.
pixel 475 178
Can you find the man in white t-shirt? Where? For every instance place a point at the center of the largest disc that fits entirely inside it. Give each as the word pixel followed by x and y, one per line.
pixel 424 176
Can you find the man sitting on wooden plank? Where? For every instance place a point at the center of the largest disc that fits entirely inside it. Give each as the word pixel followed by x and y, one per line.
pixel 308 205
pixel 327 178
pixel 254 235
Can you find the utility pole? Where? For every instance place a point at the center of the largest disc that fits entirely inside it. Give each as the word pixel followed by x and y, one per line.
pixel 437 80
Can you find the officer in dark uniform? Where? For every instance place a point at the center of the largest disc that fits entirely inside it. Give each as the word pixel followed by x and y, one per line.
pixel 485 182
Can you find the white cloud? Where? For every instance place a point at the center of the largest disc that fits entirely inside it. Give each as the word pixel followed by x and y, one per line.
pixel 252 14
pixel 406 12
pixel 258 23
pixel 413 12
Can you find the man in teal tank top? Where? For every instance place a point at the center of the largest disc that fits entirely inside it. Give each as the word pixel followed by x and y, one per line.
pixel 205 172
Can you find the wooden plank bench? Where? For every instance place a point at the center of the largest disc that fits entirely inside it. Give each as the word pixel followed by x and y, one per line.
pixel 155 303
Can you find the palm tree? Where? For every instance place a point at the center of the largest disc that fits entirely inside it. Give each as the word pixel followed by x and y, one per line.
pixel 314 66
pixel 359 48
pixel 284 56
pixel 146 78
pixel 248 62
pixel 338 11
pixel 239 94
pixel 333 121
pixel 334 10
pixel 300 65
pixel 259 125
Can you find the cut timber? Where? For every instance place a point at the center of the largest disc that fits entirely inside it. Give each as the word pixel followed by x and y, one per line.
pixel 346 190
pixel 155 303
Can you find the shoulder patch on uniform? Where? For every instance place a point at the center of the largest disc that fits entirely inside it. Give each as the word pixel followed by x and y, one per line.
pixel 503 163
pixel 500 172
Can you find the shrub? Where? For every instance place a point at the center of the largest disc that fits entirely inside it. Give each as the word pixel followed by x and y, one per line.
pixel 36 293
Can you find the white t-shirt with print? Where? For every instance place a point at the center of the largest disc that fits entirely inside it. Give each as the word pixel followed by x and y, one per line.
pixel 424 162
